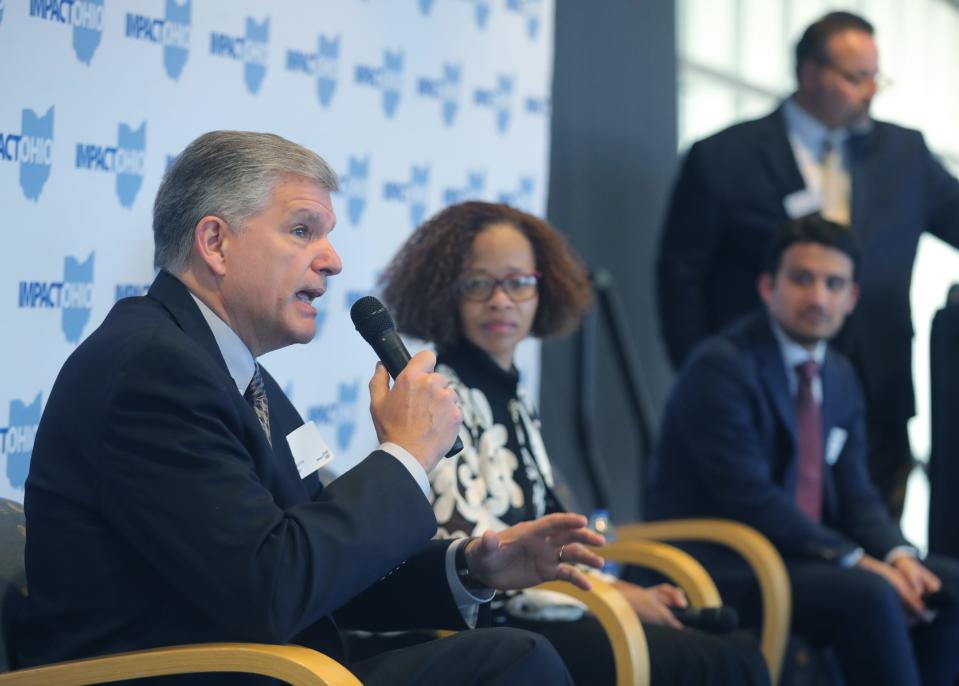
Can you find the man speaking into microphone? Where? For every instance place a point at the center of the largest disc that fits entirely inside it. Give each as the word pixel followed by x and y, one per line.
pixel 167 502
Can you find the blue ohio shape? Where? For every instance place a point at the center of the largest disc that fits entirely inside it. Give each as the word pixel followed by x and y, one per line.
pixel 76 296
pixel 175 52
pixel 20 435
pixel 254 70
pixel 327 58
pixel 35 164
pixel 132 146
pixel 88 31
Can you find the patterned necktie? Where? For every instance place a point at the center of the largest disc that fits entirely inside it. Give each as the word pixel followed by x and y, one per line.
pixel 835 184
pixel 809 432
pixel 256 396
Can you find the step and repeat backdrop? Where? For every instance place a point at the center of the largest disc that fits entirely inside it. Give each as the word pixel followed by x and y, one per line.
pixel 416 103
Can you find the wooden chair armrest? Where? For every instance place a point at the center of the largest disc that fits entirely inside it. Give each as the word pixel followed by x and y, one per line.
pixel 677 565
pixel 758 552
pixel 608 605
pixel 293 664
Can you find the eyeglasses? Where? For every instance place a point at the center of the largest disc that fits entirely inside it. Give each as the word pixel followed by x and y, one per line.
pixel 518 287
pixel 860 79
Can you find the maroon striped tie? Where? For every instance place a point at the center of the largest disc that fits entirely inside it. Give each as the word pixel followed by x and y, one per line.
pixel 809 433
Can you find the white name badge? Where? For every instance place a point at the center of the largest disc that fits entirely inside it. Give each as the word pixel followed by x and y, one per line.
pixel 802 202
pixel 310 451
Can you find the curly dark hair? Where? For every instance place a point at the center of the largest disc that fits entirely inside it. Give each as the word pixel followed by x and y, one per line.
pixel 420 282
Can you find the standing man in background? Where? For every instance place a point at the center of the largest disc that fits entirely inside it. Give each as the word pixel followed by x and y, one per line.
pixel 818 151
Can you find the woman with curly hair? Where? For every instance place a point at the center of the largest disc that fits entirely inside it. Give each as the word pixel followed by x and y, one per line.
pixel 475 280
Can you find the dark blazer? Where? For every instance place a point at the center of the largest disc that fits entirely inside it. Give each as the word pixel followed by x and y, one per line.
pixel 728 201
pixel 728 449
pixel 159 514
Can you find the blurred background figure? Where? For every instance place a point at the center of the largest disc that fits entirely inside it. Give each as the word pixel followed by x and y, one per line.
pixel 765 425
pixel 818 151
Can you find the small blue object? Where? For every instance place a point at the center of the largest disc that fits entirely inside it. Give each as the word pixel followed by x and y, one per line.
pixel 600 522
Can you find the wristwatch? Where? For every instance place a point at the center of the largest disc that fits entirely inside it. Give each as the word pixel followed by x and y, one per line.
pixel 470 583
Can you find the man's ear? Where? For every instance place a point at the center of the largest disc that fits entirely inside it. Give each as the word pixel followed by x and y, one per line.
pixel 853 298
pixel 765 284
pixel 806 76
pixel 209 238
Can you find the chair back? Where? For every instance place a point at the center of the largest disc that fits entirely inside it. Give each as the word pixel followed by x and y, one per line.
pixel 13 577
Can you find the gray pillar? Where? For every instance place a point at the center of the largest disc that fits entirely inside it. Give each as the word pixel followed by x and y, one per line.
pixel 612 162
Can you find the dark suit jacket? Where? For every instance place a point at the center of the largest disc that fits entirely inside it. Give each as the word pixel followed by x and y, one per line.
pixel 159 514
pixel 728 201
pixel 728 449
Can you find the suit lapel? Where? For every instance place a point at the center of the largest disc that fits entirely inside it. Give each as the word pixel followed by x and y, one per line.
pixel 777 155
pixel 862 152
pixel 175 297
pixel 772 372
pixel 290 489
pixel 277 468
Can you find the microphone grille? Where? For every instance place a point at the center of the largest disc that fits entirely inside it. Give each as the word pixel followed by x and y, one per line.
pixel 370 317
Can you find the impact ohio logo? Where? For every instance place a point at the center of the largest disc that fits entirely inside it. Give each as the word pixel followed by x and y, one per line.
pixel 172 32
pixel 537 106
pixel 498 99
pixel 530 11
pixel 17 438
pixel 340 414
pixel 446 89
pixel 126 160
pixel 412 192
pixel 322 65
pixel 251 49
pixel 129 290
pixel 387 78
pixel 354 185
pixel 72 296
pixel 521 196
pixel 481 10
pixel 85 16
pixel 32 149
pixel 475 184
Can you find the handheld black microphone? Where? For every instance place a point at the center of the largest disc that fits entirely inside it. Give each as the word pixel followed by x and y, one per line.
pixel 373 321
pixel 715 620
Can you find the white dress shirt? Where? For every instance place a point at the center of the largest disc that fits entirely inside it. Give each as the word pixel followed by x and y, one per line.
pixel 810 141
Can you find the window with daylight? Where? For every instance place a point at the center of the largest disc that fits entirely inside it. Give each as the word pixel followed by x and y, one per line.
pixel 735 63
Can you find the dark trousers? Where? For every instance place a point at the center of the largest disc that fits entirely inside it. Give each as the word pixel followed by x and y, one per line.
pixel 683 658
pixel 680 658
pixel 859 614
pixel 862 617
pixel 498 656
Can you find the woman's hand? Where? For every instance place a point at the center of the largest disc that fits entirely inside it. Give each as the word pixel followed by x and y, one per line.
pixel 652 604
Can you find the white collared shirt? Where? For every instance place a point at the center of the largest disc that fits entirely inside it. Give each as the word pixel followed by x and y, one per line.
pixel 793 355
pixel 808 138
